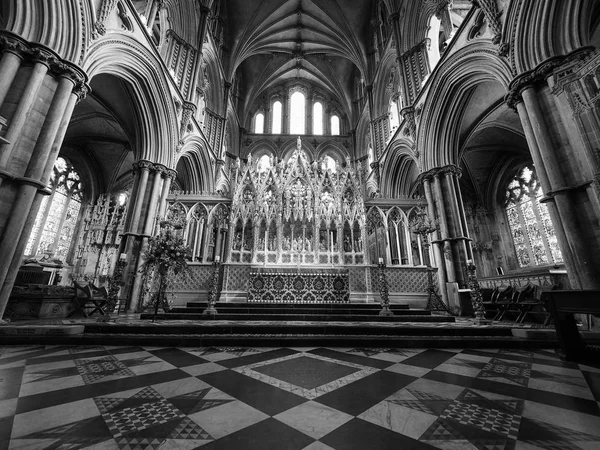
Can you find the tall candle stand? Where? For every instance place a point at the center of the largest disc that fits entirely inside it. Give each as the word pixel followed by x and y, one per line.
pixel 214 287
pixel 423 225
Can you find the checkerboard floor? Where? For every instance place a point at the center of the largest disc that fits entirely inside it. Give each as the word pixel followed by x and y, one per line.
pixel 108 397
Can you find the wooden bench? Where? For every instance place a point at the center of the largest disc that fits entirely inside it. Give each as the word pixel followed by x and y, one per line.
pixel 89 296
pixel 563 305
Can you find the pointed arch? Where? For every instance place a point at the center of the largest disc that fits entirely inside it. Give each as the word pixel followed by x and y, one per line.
pixel 194 166
pixel 448 95
pixel 156 124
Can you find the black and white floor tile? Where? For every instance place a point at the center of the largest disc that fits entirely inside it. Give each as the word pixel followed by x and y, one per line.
pixel 110 397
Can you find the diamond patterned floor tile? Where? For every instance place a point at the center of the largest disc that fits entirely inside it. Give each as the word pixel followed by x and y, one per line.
pixel 238 398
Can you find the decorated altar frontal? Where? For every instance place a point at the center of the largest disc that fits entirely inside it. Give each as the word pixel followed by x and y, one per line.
pixel 302 285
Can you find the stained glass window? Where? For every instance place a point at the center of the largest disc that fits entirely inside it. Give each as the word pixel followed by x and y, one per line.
pixel 529 221
pixel 56 220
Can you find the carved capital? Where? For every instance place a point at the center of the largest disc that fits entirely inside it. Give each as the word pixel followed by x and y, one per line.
pixel 540 74
pixel 143 165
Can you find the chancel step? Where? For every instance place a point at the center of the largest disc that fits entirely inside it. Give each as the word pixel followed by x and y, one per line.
pixel 311 312
pixel 323 317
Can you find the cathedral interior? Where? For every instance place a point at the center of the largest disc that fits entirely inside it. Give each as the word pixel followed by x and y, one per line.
pixel 306 152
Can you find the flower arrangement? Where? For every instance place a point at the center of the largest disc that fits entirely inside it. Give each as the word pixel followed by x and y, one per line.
pixel 167 251
pixel 166 255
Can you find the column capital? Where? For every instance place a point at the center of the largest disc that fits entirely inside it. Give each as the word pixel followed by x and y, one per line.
pixel 160 169
pixel 143 164
pixel 541 73
pixel 439 171
pixel 170 173
pixel 35 52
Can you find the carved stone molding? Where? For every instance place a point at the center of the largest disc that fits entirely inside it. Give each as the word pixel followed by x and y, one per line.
pixel 439 171
pixel 106 7
pixel 38 53
pixel 541 73
pixel 493 17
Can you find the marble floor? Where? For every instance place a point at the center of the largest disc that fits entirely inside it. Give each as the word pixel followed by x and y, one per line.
pixel 108 397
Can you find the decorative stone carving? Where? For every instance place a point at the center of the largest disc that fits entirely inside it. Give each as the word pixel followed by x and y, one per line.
pixel 106 7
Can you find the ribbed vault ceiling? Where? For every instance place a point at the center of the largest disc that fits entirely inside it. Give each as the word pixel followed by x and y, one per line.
pixel 320 41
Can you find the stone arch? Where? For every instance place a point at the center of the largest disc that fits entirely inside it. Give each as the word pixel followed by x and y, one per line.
pixel 62 26
pixel 213 92
pixel 332 148
pixel 568 20
pixel 194 167
pixel 384 92
pixel 448 95
pixel 399 172
pixel 260 148
pixel 156 123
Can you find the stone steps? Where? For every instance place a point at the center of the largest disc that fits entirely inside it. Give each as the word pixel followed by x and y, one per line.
pixel 324 317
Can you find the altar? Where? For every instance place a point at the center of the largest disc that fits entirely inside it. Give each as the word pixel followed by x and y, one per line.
pixel 302 285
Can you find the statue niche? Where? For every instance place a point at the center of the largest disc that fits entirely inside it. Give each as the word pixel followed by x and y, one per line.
pixel 297 212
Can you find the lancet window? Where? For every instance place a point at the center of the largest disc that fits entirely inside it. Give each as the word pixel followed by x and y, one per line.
pixel 57 217
pixel 335 125
pixel 259 123
pixel 394 118
pixel 302 111
pixel 318 118
pixel 277 117
pixel 297 113
pixel 532 231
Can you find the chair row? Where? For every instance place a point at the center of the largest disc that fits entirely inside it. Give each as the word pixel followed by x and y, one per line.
pixel 516 302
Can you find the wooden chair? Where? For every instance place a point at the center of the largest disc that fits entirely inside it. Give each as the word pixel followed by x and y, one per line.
pixel 521 298
pixel 504 299
pixel 89 296
pixel 533 304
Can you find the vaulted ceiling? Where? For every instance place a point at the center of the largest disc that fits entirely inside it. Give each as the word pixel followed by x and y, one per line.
pixel 320 41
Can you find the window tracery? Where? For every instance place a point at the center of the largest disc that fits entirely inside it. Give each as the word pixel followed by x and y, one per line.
pixel 532 231
pixel 56 220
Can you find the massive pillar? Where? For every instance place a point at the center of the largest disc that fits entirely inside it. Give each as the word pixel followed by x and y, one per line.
pixel 38 92
pixel 148 205
pixel 558 106
pixel 452 245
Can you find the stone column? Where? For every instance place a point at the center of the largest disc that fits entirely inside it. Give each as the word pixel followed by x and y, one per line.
pixel 147 233
pixel 130 240
pixel 452 245
pixel 549 100
pixel 27 160
pixel 169 175
pixel 12 56
pixel 285 126
pixel 436 242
